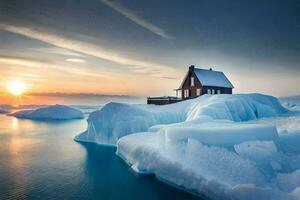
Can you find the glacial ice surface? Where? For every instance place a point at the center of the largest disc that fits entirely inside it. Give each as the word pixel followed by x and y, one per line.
pixel 244 146
pixel 54 112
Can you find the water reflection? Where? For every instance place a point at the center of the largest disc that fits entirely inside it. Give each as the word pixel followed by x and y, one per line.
pixel 18 126
pixel 108 173
pixel 19 169
pixel 14 123
pixel 40 160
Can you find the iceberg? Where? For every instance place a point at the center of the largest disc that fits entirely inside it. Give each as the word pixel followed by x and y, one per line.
pixel 53 112
pixel 115 120
pixel 4 109
pixel 243 146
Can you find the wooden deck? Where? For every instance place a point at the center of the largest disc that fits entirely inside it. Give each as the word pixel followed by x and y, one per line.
pixel 163 100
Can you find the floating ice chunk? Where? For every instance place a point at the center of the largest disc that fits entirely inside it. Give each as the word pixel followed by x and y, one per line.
pixel 55 112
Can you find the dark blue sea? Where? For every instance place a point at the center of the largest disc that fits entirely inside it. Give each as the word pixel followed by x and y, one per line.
pixel 40 160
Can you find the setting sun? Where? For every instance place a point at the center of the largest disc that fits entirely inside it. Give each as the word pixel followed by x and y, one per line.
pixel 16 87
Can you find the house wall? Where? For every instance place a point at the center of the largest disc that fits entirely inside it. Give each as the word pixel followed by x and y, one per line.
pixel 187 84
pixel 222 89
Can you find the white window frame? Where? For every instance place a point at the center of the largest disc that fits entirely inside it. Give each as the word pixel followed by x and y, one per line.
pixel 178 93
pixel 198 91
pixel 208 91
pixel 192 81
pixel 186 93
pixel 218 91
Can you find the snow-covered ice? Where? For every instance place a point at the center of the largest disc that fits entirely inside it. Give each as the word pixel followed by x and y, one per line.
pixel 54 112
pixel 116 120
pixel 244 146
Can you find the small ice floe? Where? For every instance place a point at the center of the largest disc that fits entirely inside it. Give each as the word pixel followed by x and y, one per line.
pixel 54 112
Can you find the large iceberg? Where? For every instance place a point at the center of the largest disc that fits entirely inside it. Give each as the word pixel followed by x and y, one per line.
pixel 53 112
pixel 116 120
pixel 244 146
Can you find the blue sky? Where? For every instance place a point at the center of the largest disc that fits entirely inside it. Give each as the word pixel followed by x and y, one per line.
pixel 144 47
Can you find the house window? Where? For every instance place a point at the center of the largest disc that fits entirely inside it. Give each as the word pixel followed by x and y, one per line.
pixel 213 91
pixel 219 91
pixel 178 93
pixel 198 91
pixel 208 91
pixel 192 81
pixel 186 93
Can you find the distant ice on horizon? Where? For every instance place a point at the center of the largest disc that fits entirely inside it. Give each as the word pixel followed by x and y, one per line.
pixel 53 112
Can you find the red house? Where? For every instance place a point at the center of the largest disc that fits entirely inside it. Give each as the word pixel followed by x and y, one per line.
pixel 197 82
pixel 202 81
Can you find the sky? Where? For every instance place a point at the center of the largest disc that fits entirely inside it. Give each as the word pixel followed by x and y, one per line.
pixel 93 49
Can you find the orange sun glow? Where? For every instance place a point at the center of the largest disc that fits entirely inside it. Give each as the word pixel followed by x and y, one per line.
pixel 16 87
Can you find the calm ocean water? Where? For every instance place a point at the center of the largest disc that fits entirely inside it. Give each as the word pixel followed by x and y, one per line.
pixel 40 160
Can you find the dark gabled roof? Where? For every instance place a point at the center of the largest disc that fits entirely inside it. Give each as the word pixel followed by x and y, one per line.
pixel 212 78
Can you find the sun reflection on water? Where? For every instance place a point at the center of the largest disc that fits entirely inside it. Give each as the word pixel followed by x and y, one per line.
pixel 14 123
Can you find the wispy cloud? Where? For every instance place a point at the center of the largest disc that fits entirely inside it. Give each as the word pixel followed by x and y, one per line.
pixel 57 50
pixel 172 78
pixel 90 49
pixel 26 62
pixel 76 60
pixel 79 95
pixel 136 19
